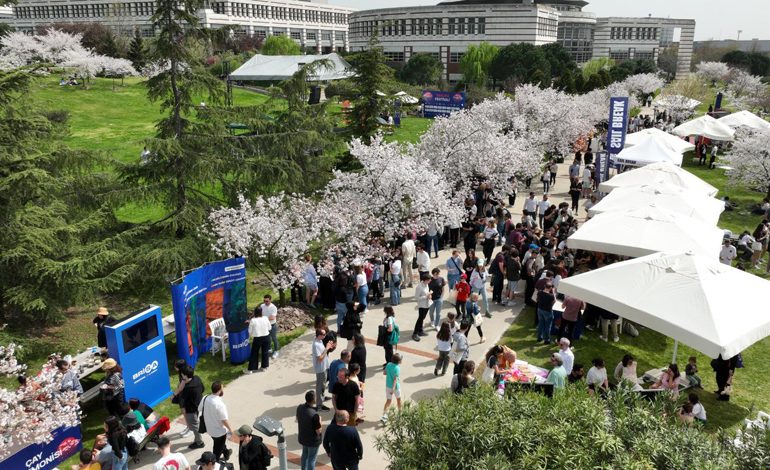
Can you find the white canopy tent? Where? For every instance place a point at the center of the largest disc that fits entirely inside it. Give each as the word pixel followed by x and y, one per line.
pixel 675 101
pixel 406 98
pixel 649 150
pixel 662 196
pixel 705 126
pixel 744 118
pixel 677 144
pixel 282 67
pixel 659 173
pixel 646 230
pixel 714 308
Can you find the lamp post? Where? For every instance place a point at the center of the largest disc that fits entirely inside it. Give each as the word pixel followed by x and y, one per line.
pixel 271 427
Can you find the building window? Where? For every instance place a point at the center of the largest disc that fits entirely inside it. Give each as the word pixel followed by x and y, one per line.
pixel 452 26
pixel 460 25
pixel 455 57
pixel 339 35
pixel 435 55
pixel 394 56
pixel 312 36
pixel 619 55
pixel 482 27
pixel 296 35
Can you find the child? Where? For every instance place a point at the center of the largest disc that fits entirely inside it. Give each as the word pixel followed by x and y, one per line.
pixel 698 412
pixel 451 318
pixel 392 385
pixel 463 291
pixel 444 340
pixel 691 372
pixel 473 313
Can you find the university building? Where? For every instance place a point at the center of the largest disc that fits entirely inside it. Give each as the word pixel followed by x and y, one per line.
pixel 448 28
pixel 313 24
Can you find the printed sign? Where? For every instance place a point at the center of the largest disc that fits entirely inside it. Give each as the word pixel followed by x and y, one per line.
pixel 442 103
pixel 618 123
pixel 66 442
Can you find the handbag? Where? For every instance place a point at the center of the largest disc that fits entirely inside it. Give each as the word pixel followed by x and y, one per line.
pixel 455 354
pixel 489 374
pixel 478 319
pixel 382 335
pixel 202 420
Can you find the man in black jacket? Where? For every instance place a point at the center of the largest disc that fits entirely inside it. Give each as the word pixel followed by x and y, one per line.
pixel 189 397
pixel 309 431
pixel 342 443
pixel 252 453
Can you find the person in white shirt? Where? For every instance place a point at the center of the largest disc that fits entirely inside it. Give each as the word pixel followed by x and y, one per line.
pixel 169 460
pixel 698 412
pixel 589 204
pixel 530 205
pixel 259 331
pixel 310 277
pixel 728 253
pixel 542 206
pixel 270 311
pixel 423 262
pixel 145 157
pixel 408 252
pixel 597 378
pixel 566 354
pixel 422 297
pixel 217 424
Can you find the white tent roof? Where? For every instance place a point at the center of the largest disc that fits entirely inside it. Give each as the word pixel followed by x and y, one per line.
pixel 706 126
pixel 649 150
pixel 406 98
pixel 659 173
pixel 707 305
pixel 662 196
pixel 744 118
pixel 676 143
pixel 675 101
pixel 282 67
pixel 645 230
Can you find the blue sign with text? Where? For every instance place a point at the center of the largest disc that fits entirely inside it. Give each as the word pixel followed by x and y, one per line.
pixel 618 123
pixel 137 344
pixel 441 103
pixel 65 442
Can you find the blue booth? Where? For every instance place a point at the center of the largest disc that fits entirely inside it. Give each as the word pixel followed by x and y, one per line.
pixel 137 343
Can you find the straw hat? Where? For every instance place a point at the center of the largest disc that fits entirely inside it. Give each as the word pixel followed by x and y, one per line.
pixel 102 311
pixel 109 364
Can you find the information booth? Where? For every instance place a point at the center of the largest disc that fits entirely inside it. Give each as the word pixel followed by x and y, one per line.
pixel 137 343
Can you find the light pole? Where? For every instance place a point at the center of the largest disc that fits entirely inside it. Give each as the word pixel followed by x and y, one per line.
pixel 739 34
pixel 271 427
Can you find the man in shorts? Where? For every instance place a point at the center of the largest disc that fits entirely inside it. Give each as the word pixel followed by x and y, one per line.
pixel 392 385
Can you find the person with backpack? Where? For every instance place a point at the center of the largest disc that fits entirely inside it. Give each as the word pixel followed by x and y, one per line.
pixel 512 275
pixel 253 454
pixel 393 333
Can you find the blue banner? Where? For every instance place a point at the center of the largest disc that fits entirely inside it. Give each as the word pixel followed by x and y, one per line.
pixel 138 345
pixel 441 103
pixel 618 123
pixel 602 169
pixel 66 442
pixel 240 349
pixel 216 290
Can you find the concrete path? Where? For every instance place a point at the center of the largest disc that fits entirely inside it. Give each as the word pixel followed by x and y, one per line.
pixel 279 390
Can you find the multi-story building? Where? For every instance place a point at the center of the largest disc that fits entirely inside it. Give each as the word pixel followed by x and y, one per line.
pixel 6 13
pixel 312 23
pixel 447 29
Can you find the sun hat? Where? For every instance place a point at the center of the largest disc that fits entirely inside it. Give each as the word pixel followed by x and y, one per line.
pixel 102 311
pixel 109 364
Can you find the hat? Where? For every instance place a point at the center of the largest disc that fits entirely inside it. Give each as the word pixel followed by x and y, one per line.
pixel 102 311
pixel 479 262
pixel 532 246
pixel 206 458
pixel 244 430
pixel 109 364
pixel 130 420
pixel 463 276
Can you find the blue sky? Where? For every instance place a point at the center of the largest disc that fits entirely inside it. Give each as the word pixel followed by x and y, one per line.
pixel 716 19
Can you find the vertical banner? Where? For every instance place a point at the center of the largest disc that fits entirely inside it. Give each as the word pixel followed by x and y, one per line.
pixel 602 170
pixel 441 103
pixel 138 345
pixel 65 443
pixel 216 290
pixel 618 123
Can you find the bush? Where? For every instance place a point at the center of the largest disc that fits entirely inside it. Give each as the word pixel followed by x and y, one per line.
pixel 477 430
pixel 57 116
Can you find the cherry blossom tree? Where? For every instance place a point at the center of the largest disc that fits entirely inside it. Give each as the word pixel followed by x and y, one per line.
pixel 28 414
pixel 750 159
pixel 713 72
pixel 745 91
pixel 643 84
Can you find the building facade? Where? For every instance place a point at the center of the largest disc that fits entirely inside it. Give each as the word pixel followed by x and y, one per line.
pixel 312 24
pixel 447 29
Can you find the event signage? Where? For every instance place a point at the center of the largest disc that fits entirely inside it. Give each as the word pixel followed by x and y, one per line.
pixel 441 103
pixel 216 290
pixel 618 123
pixel 138 345
pixel 602 170
pixel 65 442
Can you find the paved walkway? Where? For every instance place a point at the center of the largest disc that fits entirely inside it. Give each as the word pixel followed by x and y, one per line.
pixel 278 391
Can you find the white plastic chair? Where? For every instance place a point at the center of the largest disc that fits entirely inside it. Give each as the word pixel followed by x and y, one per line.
pixel 219 335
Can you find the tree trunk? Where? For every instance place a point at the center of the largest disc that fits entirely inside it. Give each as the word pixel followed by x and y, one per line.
pixel 281 298
pixel 768 192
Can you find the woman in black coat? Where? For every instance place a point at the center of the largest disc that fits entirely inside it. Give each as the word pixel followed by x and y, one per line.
pixel 358 355
pixel 352 323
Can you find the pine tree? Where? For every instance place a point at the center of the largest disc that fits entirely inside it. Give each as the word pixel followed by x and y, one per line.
pixel 370 73
pixel 136 51
pixel 60 245
pixel 109 47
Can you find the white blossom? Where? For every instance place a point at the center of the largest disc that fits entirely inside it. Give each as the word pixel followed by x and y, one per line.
pixel 750 159
pixel 642 84
pixel 713 71
pixel 745 91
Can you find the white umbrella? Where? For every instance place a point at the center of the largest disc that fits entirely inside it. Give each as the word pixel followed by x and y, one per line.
pixel 646 230
pixel 659 173
pixel 744 118
pixel 706 126
pixel 676 143
pixel 709 306
pixel 675 101
pixel 649 150
pixel 662 196
pixel 379 93
pixel 406 98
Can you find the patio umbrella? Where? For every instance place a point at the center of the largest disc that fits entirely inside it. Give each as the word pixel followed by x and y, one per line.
pixel 706 126
pixel 714 308
pixel 646 230
pixel 656 173
pixel 406 98
pixel 649 150
pixel 675 143
pixel 744 118
pixel 675 101
pixel 663 196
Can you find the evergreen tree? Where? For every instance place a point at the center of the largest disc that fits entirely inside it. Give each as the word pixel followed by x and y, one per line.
pixel 422 70
pixel 60 245
pixel 136 51
pixel 370 74
pixel 109 47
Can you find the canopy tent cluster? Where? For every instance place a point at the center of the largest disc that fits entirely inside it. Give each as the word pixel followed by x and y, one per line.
pixel 744 119
pixel 283 67
pixel 706 126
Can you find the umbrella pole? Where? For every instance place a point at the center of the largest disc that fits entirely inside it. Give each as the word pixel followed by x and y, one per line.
pixel 676 346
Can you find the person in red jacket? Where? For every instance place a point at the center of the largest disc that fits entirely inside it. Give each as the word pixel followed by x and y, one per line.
pixel 463 292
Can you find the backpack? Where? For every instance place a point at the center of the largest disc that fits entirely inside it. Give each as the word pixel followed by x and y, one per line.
pixel 330 336
pixel 132 447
